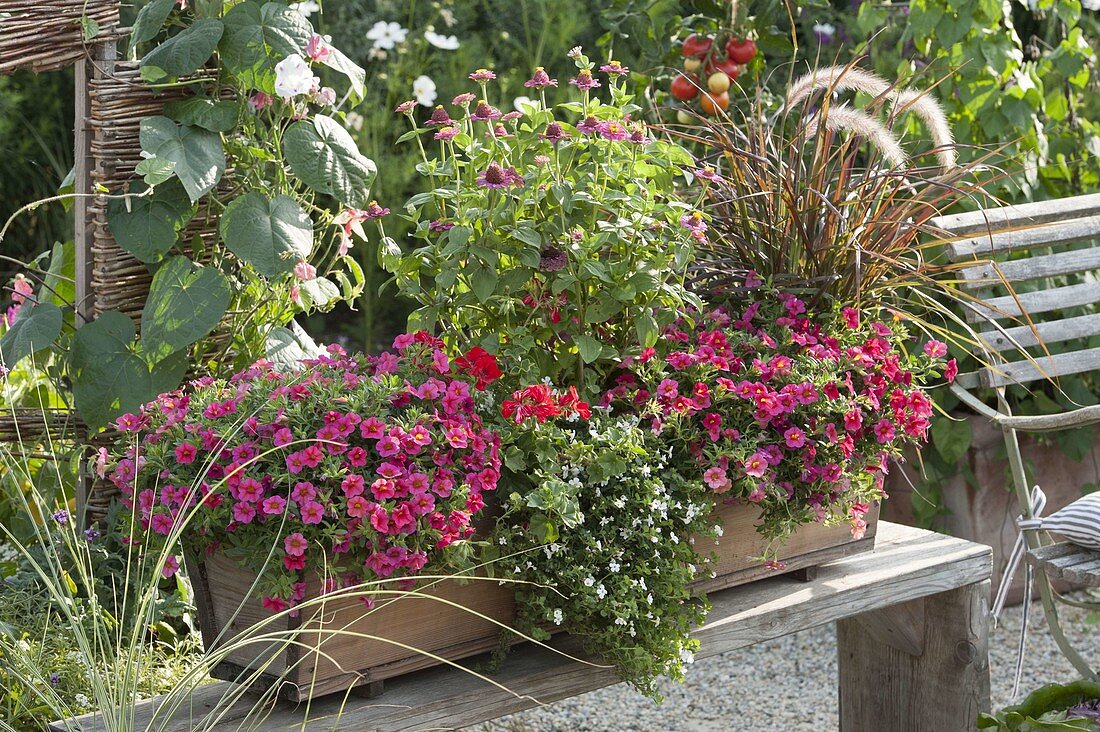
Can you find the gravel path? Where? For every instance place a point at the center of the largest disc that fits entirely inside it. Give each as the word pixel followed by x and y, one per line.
pixel 787 684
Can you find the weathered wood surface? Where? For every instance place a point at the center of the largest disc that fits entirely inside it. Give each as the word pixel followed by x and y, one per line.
pixel 1069 562
pixel 1014 236
pixel 939 686
pixel 1033 303
pixel 990 274
pixel 907 564
pixel 1025 214
pixel 1037 334
pixel 1043 367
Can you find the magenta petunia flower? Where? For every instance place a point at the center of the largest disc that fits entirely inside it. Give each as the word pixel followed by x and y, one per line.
pixel 585 80
pixel 540 80
pixel 485 112
pixel 482 75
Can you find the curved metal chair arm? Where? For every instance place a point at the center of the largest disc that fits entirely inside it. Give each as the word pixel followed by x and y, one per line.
pixel 1038 423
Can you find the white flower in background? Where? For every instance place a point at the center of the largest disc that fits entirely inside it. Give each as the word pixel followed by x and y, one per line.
pixel 447 43
pixel 82 700
pixel 387 35
pixel 520 103
pixel 355 121
pixel 306 8
pixel 824 32
pixel 293 77
pixel 1090 4
pixel 424 91
pixel 447 16
pixel 559 617
pixel 686 656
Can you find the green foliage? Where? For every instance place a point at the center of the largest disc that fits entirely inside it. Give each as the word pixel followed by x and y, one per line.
pixel 148 224
pixel 185 52
pixel 269 234
pixel 185 303
pixel 326 159
pixel 259 36
pixel 194 155
pixel 1051 708
pixel 35 328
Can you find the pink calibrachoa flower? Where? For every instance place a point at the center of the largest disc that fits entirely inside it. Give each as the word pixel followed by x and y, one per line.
pixel 171 566
pixel 273 505
pixel 295 544
pixel 756 465
pixel 186 453
pixel 935 349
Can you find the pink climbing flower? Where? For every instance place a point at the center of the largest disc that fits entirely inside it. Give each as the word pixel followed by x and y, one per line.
pixel 305 271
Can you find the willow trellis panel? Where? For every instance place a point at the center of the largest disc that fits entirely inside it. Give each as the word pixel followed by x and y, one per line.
pixel 45 35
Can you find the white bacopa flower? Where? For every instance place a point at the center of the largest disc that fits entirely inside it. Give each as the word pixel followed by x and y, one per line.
pixel 601 592
pixel 82 700
pixel 306 8
pixel 559 617
pixel 293 77
pixel 589 581
pixel 613 566
pixel 387 35
pixel 447 43
pixel 686 656
pixel 424 91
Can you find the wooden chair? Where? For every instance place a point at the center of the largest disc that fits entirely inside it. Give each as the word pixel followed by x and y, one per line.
pixel 1044 327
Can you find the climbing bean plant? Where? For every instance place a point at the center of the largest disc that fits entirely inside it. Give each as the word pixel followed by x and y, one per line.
pixel 256 147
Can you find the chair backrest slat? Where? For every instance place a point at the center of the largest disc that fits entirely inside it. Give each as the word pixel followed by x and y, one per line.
pixel 1030 272
pixel 1024 214
pixel 1006 240
pixel 1029 336
pixel 1043 367
pixel 1032 268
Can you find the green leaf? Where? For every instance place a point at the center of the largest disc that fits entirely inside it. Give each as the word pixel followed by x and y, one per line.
pixel 528 235
pixel 188 50
pixel 320 292
pixel 59 285
pixel 150 19
pixel 951 438
pixel 484 283
pixel 270 234
pixel 287 347
pixel 257 37
pixel 89 28
pixel 326 159
pixel 197 153
pixel 36 327
pixel 353 71
pixel 167 373
pixel 108 377
pixel 151 224
pixel 589 347
pixel 154 170
pixel 216 116
pixel 646 328
pixel 185 303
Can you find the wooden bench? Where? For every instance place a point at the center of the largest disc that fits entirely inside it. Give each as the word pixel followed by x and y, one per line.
pixel 1068 562
pixel 912 624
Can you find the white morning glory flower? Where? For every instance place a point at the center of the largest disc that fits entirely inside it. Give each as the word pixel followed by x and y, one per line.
pixel 447 43
pixel 305 8
pixel 387 35
pixel 293 77
pixel 424 91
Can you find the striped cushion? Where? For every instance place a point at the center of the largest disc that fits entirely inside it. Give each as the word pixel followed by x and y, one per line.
pixel 1079 521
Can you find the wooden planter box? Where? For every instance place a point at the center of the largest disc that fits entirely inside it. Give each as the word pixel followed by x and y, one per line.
pixel 321 662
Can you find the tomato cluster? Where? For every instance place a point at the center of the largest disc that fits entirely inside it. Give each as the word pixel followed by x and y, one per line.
pixel 719 66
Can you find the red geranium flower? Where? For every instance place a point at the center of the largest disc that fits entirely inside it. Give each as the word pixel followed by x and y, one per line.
pixel 480 364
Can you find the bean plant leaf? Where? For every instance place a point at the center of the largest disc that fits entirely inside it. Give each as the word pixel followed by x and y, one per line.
pixel 259 36
pixel 152 224
pixel 337 61
pixel 319 292
pixel 197 153
pixel 286 347
pixel 150 19
pixel 59 284
pixel 109 378
pixel 188 50
pixel 155 171
pixel 36 326
pixel 216 116
pixel 185 303
pixel 270 234
pixel 323 155
pixel 167 373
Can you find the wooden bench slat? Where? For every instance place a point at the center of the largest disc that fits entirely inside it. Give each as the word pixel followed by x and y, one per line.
pixel 1062 232
pixel 990 274
pixel 1027 213
pixel 1054 331
pixel 1043 367
pixel 1068 562
pixel 1040 301
pixel 907 564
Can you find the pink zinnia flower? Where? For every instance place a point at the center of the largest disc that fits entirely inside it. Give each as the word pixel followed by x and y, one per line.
pixel 584 80
pixel 446 133
pixel 439 118
pixel 496 176
pixel 482 75
pixel 540 80
pixel 485 112
pixel 464 99
pixel 614 68
pixel 612 130
pixel 405 107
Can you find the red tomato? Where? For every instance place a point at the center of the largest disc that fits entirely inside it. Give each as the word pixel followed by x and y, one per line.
pixel 711 103
pixel 685 87
pixel 696 45
pixel 727 65
pixel 741 50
